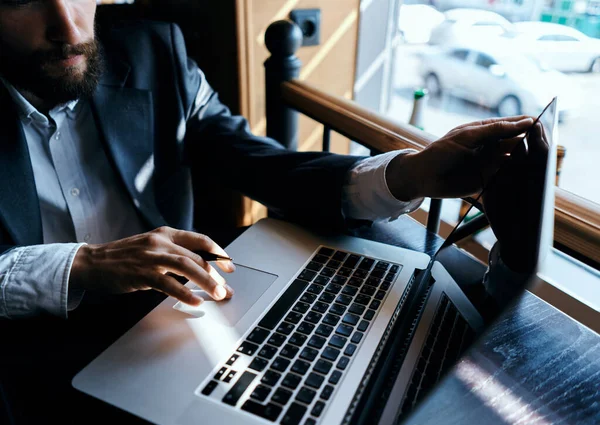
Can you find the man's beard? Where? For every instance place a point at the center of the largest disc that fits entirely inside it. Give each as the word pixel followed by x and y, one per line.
pixel 30 73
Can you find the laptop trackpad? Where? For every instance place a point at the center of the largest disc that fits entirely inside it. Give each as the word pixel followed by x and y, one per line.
pixel 249 284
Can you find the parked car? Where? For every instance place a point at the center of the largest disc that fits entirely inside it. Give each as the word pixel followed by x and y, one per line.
pixel 509 82
pixel 468 25
pixel 557 46
pixel 416 21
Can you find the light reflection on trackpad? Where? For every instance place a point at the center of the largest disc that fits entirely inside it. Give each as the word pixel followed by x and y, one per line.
pixel 249 284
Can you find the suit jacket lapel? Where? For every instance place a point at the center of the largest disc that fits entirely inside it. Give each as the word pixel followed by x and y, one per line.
pixel 19 204
pixel 125 120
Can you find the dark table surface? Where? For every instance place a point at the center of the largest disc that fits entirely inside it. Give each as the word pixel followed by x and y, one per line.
pixel 536 365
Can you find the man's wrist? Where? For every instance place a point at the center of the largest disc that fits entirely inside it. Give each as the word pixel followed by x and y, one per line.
pixel 404 178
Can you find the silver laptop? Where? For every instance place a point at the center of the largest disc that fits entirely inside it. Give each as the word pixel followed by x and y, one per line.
pixel 312 335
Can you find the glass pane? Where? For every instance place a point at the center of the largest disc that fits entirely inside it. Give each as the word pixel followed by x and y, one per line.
pixel 510 73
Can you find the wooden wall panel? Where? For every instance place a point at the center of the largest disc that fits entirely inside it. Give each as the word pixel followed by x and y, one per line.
pixel 329 66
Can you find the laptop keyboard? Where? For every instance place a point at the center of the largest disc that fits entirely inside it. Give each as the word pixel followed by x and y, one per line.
pixel 288 367
pixel 448 337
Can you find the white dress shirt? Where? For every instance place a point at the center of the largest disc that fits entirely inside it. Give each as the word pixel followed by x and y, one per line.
pixel 82 200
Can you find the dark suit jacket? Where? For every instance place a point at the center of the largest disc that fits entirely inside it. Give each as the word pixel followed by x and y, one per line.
pixel 154 101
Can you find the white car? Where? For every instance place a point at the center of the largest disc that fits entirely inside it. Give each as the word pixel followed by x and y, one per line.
pixel 416 21
pixel 511 83
pixel 468 25
pixel 557 46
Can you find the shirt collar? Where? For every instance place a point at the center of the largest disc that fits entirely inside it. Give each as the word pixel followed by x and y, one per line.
pixel 28 111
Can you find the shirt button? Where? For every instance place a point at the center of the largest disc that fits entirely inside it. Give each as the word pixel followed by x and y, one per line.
pixel 87 237
pixel 75 192
pixel 57 135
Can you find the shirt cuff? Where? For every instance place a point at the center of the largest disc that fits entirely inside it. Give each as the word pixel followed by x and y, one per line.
pixel 500 282
pixel 35 280
pixel 366 195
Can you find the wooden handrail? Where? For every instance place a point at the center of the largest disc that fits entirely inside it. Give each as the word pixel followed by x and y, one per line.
pixel 577 220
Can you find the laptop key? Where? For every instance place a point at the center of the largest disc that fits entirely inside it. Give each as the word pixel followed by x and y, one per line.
pixel 285 328
pixel 350 349
pixel 331 319
pixel 318 409
pixel 314 266
pixel 291 381
pixel 267 352
pixel 301 307
pixel 326 297
pixel 369 314
pixel 300 367
pixel 345 272
pixel 280 364
pixel 373 281
pixel 297 339
pixel 343 363
pixel 260 393
pixel 294 414
pixel 331 353
pixel 270 412
pixel 343 299
pixel 344 330
pixel 229 376
pixel 277 340
pixel 335 377
pixel 308 298
pixel 362 299
pixel 321 280
pixel 363 325
pixel 281 396
pixel 394 268
pixel 307 275
pixel 334 288
pixel 306 328
pixel 248 348
pixel 220 373
pixel 270 378
pixel 349 290
pixel 338 341
pixel 315 289
pixel 208 389
pixel 334 264
pixel 337 309
pixel 357 337
pixel 339 279
pixel 258 364
pixel 385 286
pixel 375 304
pixel 351 261
pixel 366 264
pixel 367 290
pixel 283 304
pixel 380 295
pixel 316 341
pixel 351 319
pixel 290 351
pixel 234 394
pixel 382 265
pixel 320 307
pixel 306 395
pixel 314 380
pixel 328 252
pixel 324 330
pixel 339 255
pixel 232 359
pixel 361 273
pixel 327 391
pixel 377 273
pixel 293 317
pixel 313 317
pixel 327 272
pixel 357 309
pixel 321 258
pixel 323 366
pixel 355 281
pixel 390 277
pixel 309 354
pixel 258 335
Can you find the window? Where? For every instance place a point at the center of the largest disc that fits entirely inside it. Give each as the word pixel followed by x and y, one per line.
pixel 460 54
pixel 485 61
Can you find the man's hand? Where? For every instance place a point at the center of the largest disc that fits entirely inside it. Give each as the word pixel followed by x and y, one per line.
pixel 459 164
pixel 513 201
pixel 142 262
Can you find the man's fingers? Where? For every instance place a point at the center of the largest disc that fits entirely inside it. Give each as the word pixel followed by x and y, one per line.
pixel 199 242
pixel 477 136
pixel 171 287
pixel 491 121
pixel 185 266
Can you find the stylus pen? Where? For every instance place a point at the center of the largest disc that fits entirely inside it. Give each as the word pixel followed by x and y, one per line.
pixel 209 256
